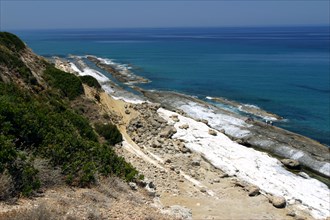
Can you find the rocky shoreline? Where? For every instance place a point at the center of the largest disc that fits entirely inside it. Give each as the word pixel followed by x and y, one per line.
pixel 182 173
pixel 251 133
pixel 122 75
pixel 249 109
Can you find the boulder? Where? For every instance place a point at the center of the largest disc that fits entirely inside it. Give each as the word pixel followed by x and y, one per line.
pixel 132 185
pixel 253 190
pixel 278 201
pixel 156 144
pixel 184 126
pixel 195 162
pixel 203 121
pixel 212 132
pixel 184 149
pixel 175 118
pixel 168 160
pixel 291 164
pixel 167 132
pixel 151 185
pixel 179 212
pixel 155 124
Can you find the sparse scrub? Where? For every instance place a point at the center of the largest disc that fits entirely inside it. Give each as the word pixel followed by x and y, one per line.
pixel 41 212
pixel 6 185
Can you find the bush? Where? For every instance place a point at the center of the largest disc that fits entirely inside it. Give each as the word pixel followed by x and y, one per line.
pixel 44 126
pixel 11 41
pixel 69 84
pixel 110 133
pixel 90 81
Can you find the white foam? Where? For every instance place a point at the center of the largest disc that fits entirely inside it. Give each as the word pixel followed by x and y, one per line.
pixel 252 166
pixel 251 106
pixel 102 79
pixel 119 66
pixel 129 100
pixel 91 72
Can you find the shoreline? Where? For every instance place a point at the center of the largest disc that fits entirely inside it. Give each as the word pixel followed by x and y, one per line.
pixel 237 128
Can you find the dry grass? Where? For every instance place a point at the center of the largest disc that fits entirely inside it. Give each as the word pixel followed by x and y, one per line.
pixel 6 186
pixel 48 176
pixel 40 212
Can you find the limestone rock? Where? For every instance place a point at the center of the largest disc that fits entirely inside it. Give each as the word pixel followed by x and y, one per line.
pixel 184 126
pixel 195 162
pixel 291 164
pixel 179 212
pixel 168 132
pixel 156 144
pixel 203 121
pixel 278 201
pixel 168 160
pixel 212 132
pixel 253 190
pixel 184 149
pixel 175 118
pixel 132 185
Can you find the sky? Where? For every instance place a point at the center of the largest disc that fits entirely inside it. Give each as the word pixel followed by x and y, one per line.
pixel 62 14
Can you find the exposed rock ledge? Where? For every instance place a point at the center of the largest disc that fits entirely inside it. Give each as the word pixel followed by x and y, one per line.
pixel 277 141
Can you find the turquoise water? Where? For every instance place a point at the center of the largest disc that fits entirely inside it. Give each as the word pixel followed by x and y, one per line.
pixel 282 70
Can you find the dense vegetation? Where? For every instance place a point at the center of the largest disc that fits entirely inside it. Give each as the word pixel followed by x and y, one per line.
pixel 90 81
pixel 109 132
pixel 34 126
pixel 11 41
pixel 69 84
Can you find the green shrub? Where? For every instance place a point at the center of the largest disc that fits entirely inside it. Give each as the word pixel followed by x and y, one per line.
pixel 90 81
pixel 11 41
pixel 44 126
pixel 69 84
pixel 110 133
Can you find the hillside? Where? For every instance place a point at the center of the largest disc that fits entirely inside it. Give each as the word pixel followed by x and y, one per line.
pixel 49 141
pixel 71 149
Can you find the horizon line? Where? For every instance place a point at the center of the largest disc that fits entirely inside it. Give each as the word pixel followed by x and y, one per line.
pixel 169 27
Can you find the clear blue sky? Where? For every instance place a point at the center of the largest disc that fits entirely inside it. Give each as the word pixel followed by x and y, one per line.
pixel 46 14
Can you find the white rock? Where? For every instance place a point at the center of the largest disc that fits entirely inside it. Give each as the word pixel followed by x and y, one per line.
pixel 255 167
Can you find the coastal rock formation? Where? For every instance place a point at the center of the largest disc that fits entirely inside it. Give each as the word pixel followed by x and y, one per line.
pixel 278 201
pixel 121 73
pixel 277 141
pixel 252 166
pixel 253 190
pixel 291 164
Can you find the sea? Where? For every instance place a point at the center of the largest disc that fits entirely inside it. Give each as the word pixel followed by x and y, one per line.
pixel 283 70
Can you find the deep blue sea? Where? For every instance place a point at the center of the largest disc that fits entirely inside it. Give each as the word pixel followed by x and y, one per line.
pixel 284 70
